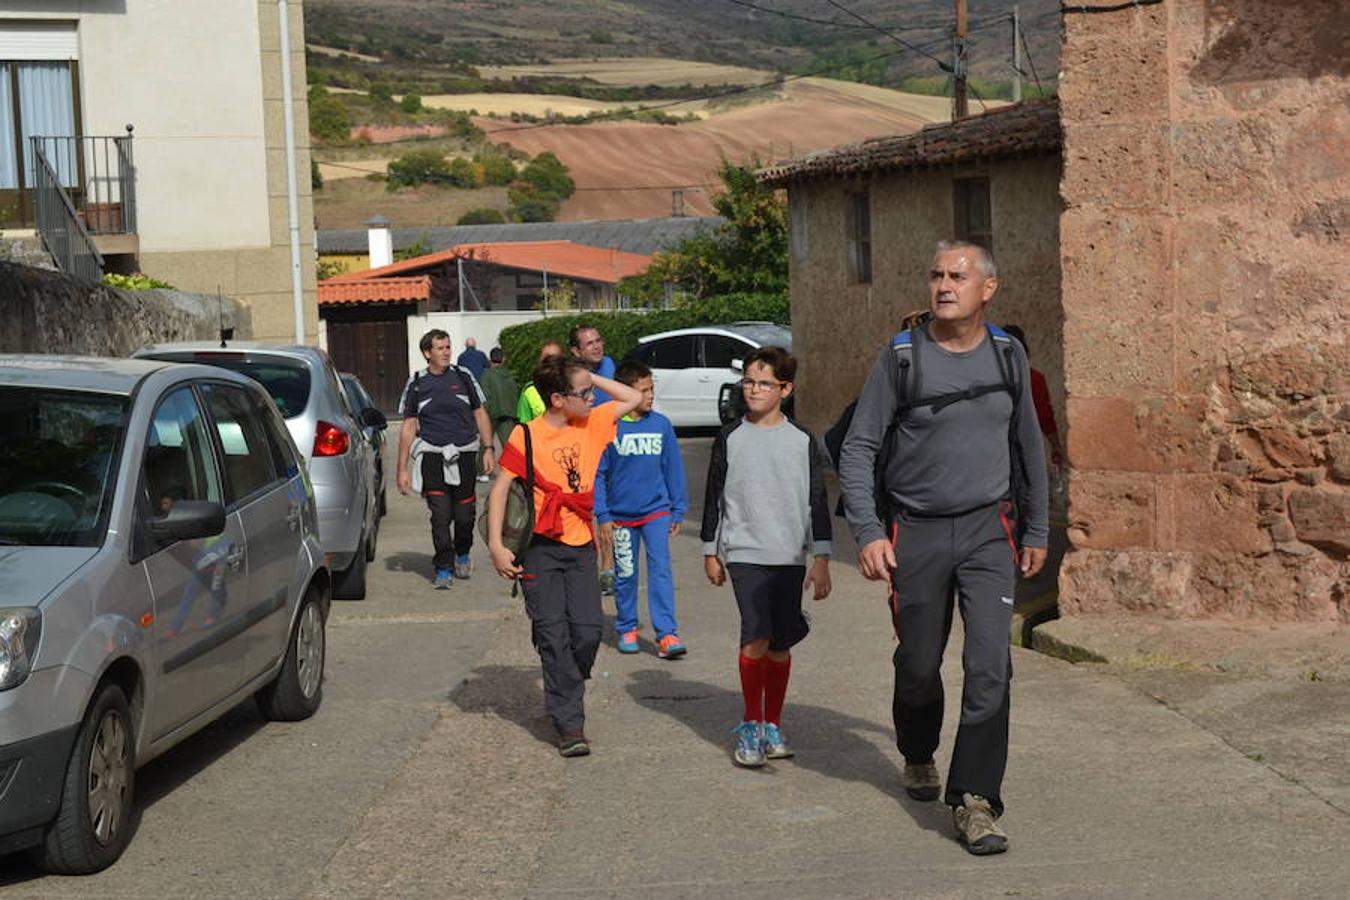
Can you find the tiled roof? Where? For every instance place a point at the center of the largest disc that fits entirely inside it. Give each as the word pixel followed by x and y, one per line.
pixel 630 235
pixel 1019 130
pixel 561 258
pixel 375 290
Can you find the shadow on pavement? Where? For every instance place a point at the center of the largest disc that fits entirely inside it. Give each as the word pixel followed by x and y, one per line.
pixel 512 693
pixel 408 561
pixel 828 742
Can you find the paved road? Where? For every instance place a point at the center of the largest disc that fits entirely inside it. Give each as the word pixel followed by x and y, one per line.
pixel 429 773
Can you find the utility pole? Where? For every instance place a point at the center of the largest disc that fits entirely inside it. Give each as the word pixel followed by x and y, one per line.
pixel 962 105
pixel 1017 54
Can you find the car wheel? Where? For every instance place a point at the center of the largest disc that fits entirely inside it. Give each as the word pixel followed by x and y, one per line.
pixel 350 584
pixel 373 540
pixel 297 690
pixel 93 825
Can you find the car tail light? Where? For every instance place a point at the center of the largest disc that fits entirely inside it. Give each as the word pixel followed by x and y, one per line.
pixel 330 440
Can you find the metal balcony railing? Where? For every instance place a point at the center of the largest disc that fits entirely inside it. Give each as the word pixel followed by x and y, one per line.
pixel 99 175
pixel 58 224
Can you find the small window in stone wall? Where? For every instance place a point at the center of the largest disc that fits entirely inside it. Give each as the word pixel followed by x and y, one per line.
pixel 858 223
pixel 799 224
pixel 973 217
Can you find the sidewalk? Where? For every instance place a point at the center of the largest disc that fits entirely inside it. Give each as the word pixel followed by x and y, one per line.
pixel 1110 793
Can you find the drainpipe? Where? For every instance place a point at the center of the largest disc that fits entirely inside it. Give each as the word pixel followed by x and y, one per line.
pixel 292 188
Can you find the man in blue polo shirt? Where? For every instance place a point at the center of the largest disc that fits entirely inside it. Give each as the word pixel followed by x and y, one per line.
pixel 444 425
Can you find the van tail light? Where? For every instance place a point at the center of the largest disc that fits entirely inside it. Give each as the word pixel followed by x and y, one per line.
pixel 330 440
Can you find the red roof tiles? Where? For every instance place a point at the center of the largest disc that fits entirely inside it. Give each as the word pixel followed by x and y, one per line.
pixel 375 290
pixel 561 258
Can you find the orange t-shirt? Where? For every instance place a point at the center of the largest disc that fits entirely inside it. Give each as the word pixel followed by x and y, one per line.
pixel 568 457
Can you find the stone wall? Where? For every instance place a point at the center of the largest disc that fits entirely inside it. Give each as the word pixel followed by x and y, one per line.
pixel 48 312
pixel 838 328
pixel 1206 184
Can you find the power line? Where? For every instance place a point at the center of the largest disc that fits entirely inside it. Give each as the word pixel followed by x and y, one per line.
pixel 831 22
pixel 944 66
pixel 1032 60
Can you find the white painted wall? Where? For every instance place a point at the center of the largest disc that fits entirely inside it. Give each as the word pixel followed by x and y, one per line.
pixel 485 327
pixel 188 76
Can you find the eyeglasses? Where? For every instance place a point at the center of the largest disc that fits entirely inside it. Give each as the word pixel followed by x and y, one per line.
pixel 753 386
pixel 586 394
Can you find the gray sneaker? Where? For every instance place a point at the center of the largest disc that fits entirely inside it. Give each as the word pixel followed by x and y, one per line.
pixel 463 567
pixel 976 828
pixel 443 580
pixel 749 751
pixel 921 781
pixel 773 743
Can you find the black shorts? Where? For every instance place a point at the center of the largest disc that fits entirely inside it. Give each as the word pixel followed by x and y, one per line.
pixel 770 598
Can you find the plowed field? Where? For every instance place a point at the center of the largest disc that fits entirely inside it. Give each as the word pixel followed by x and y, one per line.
pixel 628 169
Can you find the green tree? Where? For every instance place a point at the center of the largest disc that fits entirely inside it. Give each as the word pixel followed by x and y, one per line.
pixel 463 173
pixel 328 117
pixel 411 103
pixel 498 171
pixel 549 177
pixel 420 247
pixel 530 205
pixel 482 216
pixel 315 176
pixel 382 91
pixel 418 167
pixel 747 254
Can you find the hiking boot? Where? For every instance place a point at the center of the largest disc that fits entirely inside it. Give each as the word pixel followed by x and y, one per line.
pixel 921 781
pixel 607 582
pixel 444 578
pixel 976 828
pixel 773 744
pixel 463 567
pixel 573 743
pixel 670 647
pixel 748 752
pixel 628 641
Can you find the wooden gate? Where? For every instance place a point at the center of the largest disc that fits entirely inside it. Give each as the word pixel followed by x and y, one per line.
pixel 371 342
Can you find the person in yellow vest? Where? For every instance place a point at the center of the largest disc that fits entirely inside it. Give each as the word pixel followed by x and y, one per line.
pixel 531 405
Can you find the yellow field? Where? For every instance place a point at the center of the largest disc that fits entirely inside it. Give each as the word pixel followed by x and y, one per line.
pixel 352 168
pixel 634 71
pixel 529 104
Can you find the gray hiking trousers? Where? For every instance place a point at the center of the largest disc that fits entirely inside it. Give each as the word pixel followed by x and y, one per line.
pixel 973 556
pixel 562 598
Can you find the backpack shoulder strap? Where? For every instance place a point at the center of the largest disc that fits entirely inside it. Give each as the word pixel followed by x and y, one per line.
pixel 907 387
pixel 1005 354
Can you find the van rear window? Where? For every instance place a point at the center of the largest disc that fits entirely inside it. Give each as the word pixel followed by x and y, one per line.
pixel 287 383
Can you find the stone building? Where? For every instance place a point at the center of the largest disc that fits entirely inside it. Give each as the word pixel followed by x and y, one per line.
pixel 864 219
pixel 1197 269
pixel 1207 197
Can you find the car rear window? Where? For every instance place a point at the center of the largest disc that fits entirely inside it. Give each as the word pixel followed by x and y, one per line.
pixel 287 382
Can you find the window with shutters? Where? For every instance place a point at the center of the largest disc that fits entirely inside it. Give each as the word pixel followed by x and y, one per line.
pixel 973 214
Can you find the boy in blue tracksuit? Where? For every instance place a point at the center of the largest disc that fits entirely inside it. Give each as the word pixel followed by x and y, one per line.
pixel 641 498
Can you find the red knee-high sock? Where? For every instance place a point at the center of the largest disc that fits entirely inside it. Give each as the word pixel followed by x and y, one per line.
pixel 775 688
pixel 752 687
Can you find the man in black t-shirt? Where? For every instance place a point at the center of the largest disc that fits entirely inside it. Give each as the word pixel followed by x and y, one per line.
pixel 444 425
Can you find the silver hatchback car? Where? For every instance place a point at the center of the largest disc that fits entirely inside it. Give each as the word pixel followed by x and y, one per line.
pixel 342 466
pixel 159 562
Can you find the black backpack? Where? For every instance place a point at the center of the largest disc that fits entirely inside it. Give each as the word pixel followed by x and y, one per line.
pixel 910 388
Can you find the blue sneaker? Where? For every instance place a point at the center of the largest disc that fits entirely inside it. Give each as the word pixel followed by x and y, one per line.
pixel 773 743
pixel 749 750
pixel 628 642
pixel 444 578
pixel 463 566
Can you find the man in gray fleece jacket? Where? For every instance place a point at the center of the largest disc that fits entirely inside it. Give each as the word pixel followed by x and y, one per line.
pixel 965 446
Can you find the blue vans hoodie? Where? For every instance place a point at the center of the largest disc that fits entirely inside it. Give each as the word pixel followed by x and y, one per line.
pixel 641 473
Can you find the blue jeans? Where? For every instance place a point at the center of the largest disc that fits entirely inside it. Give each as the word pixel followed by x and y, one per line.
pixel 655 534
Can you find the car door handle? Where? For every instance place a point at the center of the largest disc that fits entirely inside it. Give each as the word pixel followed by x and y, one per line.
pixel 293 517
pixel 235 557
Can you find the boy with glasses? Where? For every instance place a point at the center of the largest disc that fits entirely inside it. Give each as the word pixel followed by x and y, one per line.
pixel 558 572
pixel 765 512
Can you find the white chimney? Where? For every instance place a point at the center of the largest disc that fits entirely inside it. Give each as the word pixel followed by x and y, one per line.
pixel 380 240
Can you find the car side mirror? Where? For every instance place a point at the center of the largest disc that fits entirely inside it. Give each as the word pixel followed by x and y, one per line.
pixel 738 365
pixel 373 418
pixel 188 520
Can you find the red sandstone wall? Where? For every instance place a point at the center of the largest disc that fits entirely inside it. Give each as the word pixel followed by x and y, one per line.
pixel 1203 248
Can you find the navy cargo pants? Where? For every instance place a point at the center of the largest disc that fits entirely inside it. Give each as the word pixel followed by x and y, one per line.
pixel 971 555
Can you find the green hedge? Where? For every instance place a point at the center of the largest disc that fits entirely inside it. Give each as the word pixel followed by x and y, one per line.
pixel 621 330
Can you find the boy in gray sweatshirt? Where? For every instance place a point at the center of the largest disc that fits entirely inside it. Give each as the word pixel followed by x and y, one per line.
pixel 765 512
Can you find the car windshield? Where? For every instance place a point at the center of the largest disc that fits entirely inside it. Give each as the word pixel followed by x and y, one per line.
pixel 287 381
pixel 58 463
